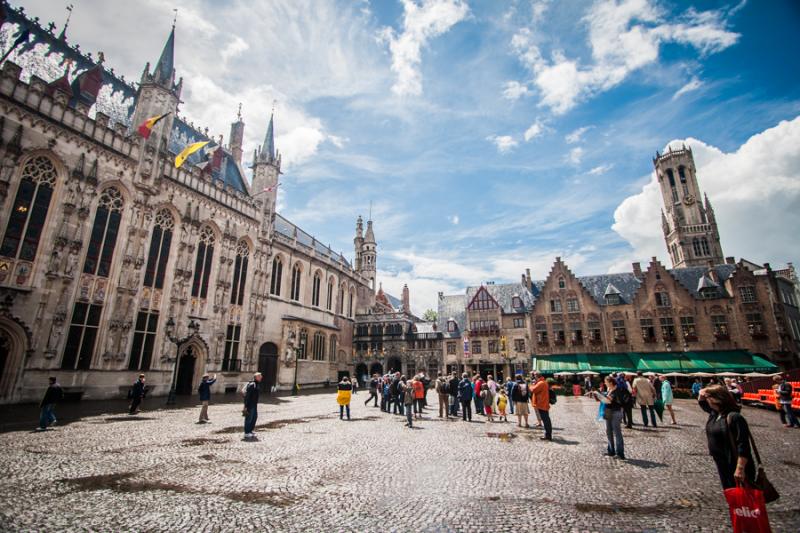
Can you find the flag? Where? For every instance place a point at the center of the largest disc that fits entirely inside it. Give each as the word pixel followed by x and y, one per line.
pixel 271 188
pixel 189 150
pixel 147 126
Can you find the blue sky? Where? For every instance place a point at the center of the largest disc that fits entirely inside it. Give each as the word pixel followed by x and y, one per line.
pixel 492 136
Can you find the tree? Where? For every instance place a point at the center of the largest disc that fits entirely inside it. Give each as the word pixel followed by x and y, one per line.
pixel 430 315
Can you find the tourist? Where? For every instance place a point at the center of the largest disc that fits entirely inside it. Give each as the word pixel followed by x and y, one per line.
pixel 442 386
pixel 465 393
pixel 627 409
pixel 666 397
pixel 397 395
pixel 453 391
pixel 354 383
pixel 614 402
pixel 533 401
pixel 426 385
pixel 53 395
pixel 509 387
pixel 696 386
pixel 784 390
pixel 502 403
pixel 587 384
pixel 204 390
pixel 487 399
pixel 733 387
pixel 478 385
pixel 136 394
pixel 728 437
pixel 409 400
pixel 374 384
pixel 541 391
pixel 345 392
pixel 418 395
pixel 251 391
pixel 492 384
pixel 386 394
pixel 645 397
pixel 520 396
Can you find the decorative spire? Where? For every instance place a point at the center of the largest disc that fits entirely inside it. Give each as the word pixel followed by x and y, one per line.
pixel 164 71
pixel 268 150
pixel 370 235
pixel 63 35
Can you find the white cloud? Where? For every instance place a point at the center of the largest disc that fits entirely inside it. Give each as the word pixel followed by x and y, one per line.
pixel 454 220
pixel 504 143
pixel 234 48
pixel 534 131
pixel 576 135
pixel 601 169
pixel 514 90
pixel 421 23
pixel 692 85
pixel 755 192
pixel 575 155
pixel 624 37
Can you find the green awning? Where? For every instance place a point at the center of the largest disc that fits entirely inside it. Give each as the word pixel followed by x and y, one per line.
pixel 660 362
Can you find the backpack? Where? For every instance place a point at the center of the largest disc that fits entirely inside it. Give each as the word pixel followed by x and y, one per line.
pixel 552 396
pixel 625 398
pixel 444 387
pixel 523 387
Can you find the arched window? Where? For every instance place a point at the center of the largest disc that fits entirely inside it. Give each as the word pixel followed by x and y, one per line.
pixel 277 272
pixel 561 283
pixel 158 255
pixel 29 211
pixel 696 247
pixel 319 346
pixel 239 273
pixel 340 301
pixel 295 292
pixel 332 351
pixel 682 173
pixel 202 266
pixel 704 246
pixel 671 177
pixel 315 289
pixel 230 360
pixel 350 304
pixel 329 305
pixel 104 234
pixel 301 344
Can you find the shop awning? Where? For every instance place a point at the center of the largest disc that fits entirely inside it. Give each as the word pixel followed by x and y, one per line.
pixel 660 362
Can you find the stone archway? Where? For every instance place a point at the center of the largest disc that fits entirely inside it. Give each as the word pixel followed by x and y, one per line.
pixel 191 365
pixel 376 368
pixel 268 366
pixel 394 364
pixel 360 373
pixel 14 341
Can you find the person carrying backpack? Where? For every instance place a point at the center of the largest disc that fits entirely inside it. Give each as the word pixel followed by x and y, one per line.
pixel 442 391
pixel 520 396
pixel 452 387
pixel 465 396
pixel 541 391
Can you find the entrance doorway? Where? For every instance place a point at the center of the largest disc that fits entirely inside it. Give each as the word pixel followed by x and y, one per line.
pixel 184 384
pixel 361 373
pixel 394 364
pixel 376 368
pixel 5 353
pixel 268 366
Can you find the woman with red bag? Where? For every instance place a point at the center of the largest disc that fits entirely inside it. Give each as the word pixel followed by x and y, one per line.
pixel 728 437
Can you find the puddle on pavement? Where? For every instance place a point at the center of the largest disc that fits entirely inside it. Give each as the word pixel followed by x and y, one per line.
pixel 504 437
pixel 121 482
pixel 208 457
pixel 201 441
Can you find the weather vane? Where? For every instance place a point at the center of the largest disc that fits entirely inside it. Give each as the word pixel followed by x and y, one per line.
pixel 175 18
pixel 239 113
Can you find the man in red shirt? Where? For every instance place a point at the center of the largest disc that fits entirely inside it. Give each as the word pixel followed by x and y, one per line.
pixel 478 383
pixel 541 392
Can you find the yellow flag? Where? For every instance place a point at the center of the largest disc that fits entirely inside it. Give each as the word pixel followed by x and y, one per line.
pixel 186 152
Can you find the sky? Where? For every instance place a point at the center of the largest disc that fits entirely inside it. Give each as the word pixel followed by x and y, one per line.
pixel 489 137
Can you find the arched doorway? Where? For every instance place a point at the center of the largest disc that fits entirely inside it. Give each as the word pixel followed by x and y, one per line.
pixel 5 353
pixel 376 368
pixel 268 366
pixel 14 340
pixel 361 372
pixel 184 383
pixel 394 364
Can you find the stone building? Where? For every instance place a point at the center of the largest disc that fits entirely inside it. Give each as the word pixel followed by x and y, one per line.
pixel 115 262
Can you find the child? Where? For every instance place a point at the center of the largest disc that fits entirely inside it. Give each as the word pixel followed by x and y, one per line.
pixel 487 398
pixel 502 401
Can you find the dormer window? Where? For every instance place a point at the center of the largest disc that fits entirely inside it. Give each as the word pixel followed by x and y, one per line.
pixel 451 325
pixel 612 299
pixel 516 302
pixel 562 284
pixel 662 299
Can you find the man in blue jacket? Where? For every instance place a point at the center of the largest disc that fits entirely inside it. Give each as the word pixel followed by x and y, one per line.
pixel 251 406
pixel 204 390
pixel 465 396
pixel 137 393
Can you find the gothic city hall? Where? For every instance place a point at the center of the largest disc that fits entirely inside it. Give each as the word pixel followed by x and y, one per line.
pixel 135 242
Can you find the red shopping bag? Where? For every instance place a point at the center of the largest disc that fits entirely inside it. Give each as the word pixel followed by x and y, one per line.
pixel 748 510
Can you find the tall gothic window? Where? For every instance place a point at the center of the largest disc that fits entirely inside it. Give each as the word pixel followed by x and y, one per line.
pixel 104 234
pixel 202 265
pixel 340 301
pixel 319 346
pixel 704 246
pixel 239 273
pixel 277 272
pixel 329 305
pixel 350 304
pixel 671 177
pixel 158 255
pixel 315 290
pixel 144 338
pixel 295 292
pixel 302 343
pixel 696 247
pixel 29 210
pixel 82 336
pixel 332 351
pixel 230 361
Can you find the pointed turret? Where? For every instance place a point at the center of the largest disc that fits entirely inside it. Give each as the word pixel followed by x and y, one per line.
pixel 164 73
pixel 237 136
pixel 268 150
pixel 370 235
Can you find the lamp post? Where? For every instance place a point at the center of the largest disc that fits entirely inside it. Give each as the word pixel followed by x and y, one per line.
pixel 296 358
pixel 194 327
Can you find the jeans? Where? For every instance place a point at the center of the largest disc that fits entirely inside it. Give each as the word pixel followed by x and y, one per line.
pixel 47 416
pixel 372 394
pixel 466 406
pixel 250 420
pixel 453 406
pixel 135 406
pixel 385 403
pixel 342 410
pixel 409 413
pixel 628 416
pixel 614 432
pixel 548 426
pixel 478 404
pixel 397 405
pixel 652 415
pixel 787 414
pixel 418 404
pixel 511 405
pixel 443 405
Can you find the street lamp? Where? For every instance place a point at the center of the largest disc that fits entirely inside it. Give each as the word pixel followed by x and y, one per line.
pixel 295 349
pixel 194 327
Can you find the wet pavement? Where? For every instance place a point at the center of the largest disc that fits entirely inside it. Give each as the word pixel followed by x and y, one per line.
pixel 102 470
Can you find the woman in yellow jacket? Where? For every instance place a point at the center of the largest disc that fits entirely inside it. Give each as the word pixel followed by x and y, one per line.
pixel 343 397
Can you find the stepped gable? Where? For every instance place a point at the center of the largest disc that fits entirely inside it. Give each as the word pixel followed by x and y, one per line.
pixel 565 270
pixel 503 294
pixel 455 307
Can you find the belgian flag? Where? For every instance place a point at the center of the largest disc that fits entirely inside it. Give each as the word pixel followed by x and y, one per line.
pixel 147 126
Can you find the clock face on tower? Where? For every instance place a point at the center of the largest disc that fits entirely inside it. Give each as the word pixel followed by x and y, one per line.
pixel 689 199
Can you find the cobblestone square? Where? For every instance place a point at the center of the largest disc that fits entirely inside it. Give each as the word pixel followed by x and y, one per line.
pixel 309 471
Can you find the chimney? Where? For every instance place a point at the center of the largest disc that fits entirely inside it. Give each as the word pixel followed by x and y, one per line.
pixel 730 260
pixel 237 137
pixel 528 276
pixel 524 280
pixel 406 299
pixel 637 270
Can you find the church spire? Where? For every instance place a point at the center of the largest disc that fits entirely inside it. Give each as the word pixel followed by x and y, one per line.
pixel 164 72
pixel 268 150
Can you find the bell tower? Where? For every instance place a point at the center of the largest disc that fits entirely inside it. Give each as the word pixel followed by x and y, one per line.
pixel 689 225
pixel 266 171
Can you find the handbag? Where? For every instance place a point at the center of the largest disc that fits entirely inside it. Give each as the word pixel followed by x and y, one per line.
pixel 770 493
pixel 748 510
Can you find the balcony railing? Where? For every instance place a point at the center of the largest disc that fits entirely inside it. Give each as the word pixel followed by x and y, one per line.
pixel 595 342
pixel 485 332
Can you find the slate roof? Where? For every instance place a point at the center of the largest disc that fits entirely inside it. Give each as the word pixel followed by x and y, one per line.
pixel 455 307
pixel 289 230
pixel 504 294
pixel 690 277
pixel 626 284
pixel 395 302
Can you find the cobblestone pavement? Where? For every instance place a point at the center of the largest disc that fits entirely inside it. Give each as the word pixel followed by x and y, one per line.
pixel 308 471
